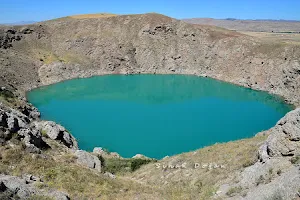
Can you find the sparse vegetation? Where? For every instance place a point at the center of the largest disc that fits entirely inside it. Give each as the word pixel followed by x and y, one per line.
pixel 89 16
pixel 44 133
pixel 295 159
pixel 39 197
pixel 117 165
pixel 233 191
pixel 279 172
pixel 260 180
pixel 79 182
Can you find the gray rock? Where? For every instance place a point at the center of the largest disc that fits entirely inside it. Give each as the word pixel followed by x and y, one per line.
pixel 24 188
pixel 33 140
pixel 110 175
pixel 12 120
pixel 88 160
pixel 140 156
pixel 100 151
pixel 274 176
pixel 57 132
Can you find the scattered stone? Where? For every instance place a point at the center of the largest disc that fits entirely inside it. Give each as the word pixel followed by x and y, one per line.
pixel 110 175
pixel 24 188
pixel 88 160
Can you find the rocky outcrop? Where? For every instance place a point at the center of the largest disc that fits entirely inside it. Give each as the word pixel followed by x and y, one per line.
pixel 12 120
pixel 24 188
pixel 284 139
pixel 140 156
pixel 22 125
pixel 87 159
pixel 33 140
pixel 276 174
pixel 57 132
pixel 105 154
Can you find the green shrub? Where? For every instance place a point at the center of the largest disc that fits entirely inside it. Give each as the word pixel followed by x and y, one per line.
pixel 119 165
pixel 7 94
pixel 137 163
pixel 44 133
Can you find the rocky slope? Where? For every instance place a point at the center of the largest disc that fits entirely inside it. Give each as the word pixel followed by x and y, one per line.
pixel 56 50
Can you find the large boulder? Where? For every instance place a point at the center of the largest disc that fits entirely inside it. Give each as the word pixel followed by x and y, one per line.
pixel 88 160
pixel 12 120
pixel 57 132
pixel 23 188
pixel 33 140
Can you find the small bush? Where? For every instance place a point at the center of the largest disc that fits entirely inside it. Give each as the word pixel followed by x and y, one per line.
pixel 271 171
pixel 137 163
pixel 295 160
pixel 279 172
pixel 7 94
pixel 233 191
pixel 119 165
pixel 260 180
pixel 44 133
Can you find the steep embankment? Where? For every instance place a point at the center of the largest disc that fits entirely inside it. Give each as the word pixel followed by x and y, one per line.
pixel 66 48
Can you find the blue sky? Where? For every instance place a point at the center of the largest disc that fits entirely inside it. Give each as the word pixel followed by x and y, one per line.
pixel 38 10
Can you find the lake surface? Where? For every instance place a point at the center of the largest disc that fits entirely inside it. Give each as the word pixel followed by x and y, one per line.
pixel 156 115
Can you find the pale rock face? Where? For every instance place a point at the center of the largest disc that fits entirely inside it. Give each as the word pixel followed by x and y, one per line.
pixel 87 159
pixel 25 187
pixel 284 137
pixel 12 119
pixel 274 176
pixel 140 156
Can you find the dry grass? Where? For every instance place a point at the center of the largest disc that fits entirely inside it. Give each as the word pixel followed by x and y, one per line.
pixel 65 175
pixel 59 170
pixel 93 16
pixel 191 183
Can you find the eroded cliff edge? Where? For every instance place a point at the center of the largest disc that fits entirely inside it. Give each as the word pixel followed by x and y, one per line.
pixel 66 48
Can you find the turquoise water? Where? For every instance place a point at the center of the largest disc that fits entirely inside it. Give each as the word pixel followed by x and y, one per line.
pixel 156 115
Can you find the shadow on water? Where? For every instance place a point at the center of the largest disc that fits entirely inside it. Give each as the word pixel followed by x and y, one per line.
pixel 152 89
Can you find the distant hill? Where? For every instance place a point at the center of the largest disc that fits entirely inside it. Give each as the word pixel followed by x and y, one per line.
pixel 19 23
pixel 267 25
